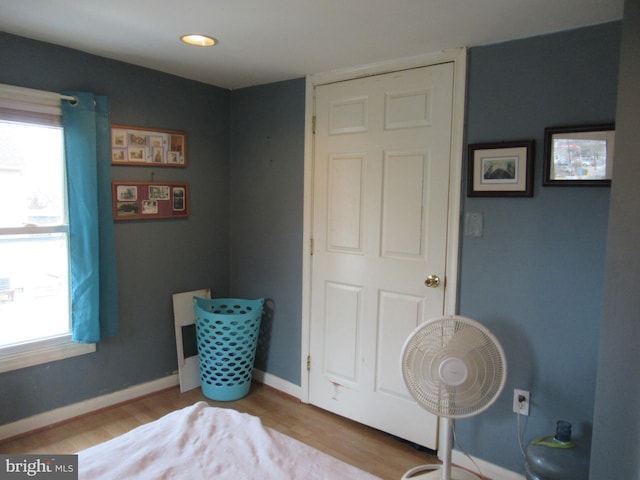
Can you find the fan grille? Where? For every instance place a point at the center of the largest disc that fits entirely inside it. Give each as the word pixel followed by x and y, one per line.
pixel 453 366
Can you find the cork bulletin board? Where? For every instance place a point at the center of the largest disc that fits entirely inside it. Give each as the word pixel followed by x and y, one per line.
pixel 150 200
pixel 148 147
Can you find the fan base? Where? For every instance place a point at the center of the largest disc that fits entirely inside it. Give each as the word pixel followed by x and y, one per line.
pixel 434 472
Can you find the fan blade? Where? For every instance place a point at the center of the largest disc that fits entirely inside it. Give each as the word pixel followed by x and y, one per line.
pixel 465 340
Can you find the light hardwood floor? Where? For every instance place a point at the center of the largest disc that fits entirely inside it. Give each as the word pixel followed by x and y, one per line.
pixel 358 445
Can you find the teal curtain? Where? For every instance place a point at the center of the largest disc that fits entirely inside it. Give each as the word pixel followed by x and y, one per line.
pixel 94 291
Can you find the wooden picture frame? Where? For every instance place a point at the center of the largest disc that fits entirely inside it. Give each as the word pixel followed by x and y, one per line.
pixel 149 147
pixel 149 200
pixel 579 155
pixel 503 169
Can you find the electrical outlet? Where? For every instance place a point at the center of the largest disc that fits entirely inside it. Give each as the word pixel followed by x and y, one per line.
pixel 521 401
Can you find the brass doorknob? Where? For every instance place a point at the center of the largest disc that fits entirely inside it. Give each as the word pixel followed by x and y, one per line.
pixel 432 281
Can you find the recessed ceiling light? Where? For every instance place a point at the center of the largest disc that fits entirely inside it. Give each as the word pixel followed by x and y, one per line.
pixel 198 40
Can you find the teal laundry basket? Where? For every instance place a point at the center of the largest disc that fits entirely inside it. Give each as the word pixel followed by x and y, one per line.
pixel 227 336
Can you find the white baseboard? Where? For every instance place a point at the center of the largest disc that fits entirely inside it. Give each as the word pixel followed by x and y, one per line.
pixel 489 470
pixel 277 383
pixel 61 414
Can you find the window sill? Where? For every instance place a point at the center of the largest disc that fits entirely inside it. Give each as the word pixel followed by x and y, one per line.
pixel 38 352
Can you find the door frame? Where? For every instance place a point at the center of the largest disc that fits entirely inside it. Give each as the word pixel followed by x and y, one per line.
pixel 459 59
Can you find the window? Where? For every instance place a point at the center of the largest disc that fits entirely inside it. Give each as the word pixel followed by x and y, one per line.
pixel 35 322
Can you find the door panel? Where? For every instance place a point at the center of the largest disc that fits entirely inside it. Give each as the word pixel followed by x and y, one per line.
pixel 346 202
pixel 402 191
pixel 344 320
pixel 398 314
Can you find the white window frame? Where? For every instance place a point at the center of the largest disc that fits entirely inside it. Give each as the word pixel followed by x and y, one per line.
pixel 49 349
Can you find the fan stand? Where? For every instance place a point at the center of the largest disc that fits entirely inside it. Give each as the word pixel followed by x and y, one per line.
pixel 444 471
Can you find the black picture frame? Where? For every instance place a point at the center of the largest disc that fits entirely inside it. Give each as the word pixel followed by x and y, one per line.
pixel 579 155
pixel 501 169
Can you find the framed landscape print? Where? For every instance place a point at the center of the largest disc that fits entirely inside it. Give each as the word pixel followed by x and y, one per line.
pixel 502 169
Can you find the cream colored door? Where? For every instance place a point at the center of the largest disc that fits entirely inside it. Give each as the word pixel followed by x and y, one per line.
pixel 380 205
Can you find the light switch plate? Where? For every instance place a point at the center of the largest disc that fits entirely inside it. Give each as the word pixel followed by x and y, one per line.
pixel 474 224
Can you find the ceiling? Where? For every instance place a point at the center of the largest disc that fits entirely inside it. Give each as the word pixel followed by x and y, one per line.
pixel 264 41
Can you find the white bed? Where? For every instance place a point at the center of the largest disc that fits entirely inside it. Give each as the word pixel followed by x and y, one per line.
pixel 201 443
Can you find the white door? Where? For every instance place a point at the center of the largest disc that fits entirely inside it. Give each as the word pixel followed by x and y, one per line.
pixel 380 204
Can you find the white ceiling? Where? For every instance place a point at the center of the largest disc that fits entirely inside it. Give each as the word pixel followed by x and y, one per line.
pixel 263 41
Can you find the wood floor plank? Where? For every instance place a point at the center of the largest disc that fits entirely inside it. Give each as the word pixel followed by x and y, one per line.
pixel 366 448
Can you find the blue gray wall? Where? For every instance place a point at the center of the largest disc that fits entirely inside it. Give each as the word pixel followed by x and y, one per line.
pixel 535 277
pixel 267 148
pixel 616 430
pixel 154 258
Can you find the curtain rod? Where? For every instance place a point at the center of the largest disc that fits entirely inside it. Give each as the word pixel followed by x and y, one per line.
pixel 72 99
pixel 15 93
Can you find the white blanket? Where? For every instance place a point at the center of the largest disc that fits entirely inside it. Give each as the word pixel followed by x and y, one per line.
pixel 201 443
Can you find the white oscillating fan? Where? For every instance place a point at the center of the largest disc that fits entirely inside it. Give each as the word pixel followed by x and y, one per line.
pixel 454 368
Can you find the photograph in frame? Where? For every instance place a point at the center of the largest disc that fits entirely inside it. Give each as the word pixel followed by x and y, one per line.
pixel 179 197
pixel 157 154
pixel 118 155
pixel 118 138
pixel 501 169
pixel 137 139
pixel 579 155
pixel 149 207
pixel 126 209
pixel 159 192
pixel 127 193
pixel 173 157
pixel 137 154
pixel 156 141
